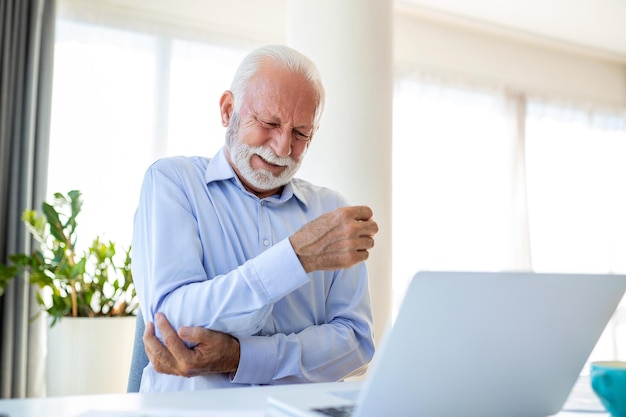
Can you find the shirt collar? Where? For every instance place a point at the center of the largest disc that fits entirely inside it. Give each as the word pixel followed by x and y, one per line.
pixel 219 169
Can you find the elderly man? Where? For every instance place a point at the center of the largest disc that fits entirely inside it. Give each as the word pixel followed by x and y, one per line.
pixel 263 274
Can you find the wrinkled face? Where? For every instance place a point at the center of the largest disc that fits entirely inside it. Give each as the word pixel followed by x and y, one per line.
pixel 267 139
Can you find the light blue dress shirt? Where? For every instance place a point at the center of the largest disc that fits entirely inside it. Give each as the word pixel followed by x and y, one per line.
pixel 206 252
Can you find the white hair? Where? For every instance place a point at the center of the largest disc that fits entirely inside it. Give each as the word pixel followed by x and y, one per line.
pixel 286 57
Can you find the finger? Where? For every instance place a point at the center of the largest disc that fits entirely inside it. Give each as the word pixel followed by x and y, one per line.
pixel 163 324
pixel 157 353
pixel 368 228
pixel 362 213
pixel 365 243
pixel 193 335
pixel 172 341
pixel 150 341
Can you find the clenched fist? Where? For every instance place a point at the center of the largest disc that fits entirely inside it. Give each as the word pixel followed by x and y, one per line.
pixel 336 240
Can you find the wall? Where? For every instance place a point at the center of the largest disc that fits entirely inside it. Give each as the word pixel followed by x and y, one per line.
pixel 538 67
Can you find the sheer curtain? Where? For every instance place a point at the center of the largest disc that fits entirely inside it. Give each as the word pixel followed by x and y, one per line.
pixel 486 179
pixel 576 158
pixel 577 176
pixel 455 180
pixel 122 100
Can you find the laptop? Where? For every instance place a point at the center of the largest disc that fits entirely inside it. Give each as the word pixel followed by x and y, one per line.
pixel 478 344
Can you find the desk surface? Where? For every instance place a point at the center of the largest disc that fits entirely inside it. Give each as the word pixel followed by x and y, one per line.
pixel 234 399
pixel 238 401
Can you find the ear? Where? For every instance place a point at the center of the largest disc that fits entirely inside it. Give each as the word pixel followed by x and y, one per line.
pixel 227 106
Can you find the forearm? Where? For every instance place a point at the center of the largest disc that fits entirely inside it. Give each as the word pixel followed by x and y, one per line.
pixel 325 353
pixel 237 303
pixel 333 345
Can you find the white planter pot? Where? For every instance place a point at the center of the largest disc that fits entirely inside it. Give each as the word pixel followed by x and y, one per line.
pixel 89 355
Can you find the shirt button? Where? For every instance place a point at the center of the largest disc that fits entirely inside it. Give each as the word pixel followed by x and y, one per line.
pixel 266 242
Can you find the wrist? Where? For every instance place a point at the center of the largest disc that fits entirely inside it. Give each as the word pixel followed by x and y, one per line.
pixel 235 352
pixel 304 260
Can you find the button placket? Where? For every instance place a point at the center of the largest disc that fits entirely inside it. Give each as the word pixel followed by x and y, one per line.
pixel 265 234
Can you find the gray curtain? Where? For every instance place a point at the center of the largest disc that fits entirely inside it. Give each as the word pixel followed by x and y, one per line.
pixel 26 61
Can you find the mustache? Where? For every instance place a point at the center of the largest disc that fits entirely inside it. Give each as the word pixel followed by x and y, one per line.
pixel 270 156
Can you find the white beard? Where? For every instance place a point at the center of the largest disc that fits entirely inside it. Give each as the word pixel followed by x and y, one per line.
pixel 240 155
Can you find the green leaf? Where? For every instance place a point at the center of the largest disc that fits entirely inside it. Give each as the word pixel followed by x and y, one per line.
pixel 35 224
pixel 56 227
pixel 20 259
pixel 6 275
pixel 7 272
pixel 78 269
pixel 76 205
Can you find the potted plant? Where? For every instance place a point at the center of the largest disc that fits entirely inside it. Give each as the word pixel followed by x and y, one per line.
pixel 76 287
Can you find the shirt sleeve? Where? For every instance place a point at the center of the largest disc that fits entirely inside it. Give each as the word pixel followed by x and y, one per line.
pixel 331 351
pixel 170 276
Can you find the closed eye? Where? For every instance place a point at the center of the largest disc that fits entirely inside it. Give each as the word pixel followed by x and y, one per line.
pixel 302 136
pixel 268 125
pixel 298 134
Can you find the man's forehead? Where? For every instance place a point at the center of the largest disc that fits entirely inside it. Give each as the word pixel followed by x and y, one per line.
pixel 281 96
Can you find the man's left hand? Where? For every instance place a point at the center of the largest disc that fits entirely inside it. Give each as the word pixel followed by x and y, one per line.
pixel 213 352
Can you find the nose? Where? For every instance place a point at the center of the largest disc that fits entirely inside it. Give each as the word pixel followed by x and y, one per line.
pixel 281 143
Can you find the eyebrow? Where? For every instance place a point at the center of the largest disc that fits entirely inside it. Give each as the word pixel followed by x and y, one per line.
pixel 277 119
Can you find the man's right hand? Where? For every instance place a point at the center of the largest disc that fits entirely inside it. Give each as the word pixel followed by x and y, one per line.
pixel 213 352
pixel 336 240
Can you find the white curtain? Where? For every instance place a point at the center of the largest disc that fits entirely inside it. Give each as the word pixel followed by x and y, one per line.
pixel 456 178
pixel 487 179
pixel 576 157
pixel 123 99
pixel 577 176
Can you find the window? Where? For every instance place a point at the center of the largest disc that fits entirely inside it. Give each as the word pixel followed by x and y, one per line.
pixel 122 99
pixel 576 162
pixel 475 183
pixel 452 179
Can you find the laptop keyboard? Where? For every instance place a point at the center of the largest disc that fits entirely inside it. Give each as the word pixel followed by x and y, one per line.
pixel 341 411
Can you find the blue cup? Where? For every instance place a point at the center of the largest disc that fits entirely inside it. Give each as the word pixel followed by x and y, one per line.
pixel 608 380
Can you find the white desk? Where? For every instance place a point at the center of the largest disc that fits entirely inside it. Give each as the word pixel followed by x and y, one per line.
pixel 253 398
pixel 225 401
